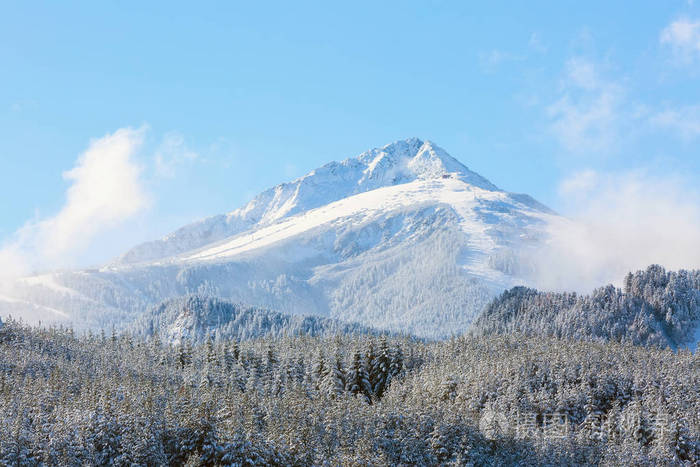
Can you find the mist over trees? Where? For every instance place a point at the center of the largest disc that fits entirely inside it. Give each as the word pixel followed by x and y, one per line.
pixel 656 307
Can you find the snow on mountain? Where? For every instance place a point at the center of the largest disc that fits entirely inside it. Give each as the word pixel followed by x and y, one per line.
pixel 393 164
pixel 402 237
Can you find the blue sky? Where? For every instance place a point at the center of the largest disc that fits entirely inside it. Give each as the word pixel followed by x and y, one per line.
pixel 226 99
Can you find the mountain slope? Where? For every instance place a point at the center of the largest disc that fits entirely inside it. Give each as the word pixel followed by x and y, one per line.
pixel 394 164
pixel 402 238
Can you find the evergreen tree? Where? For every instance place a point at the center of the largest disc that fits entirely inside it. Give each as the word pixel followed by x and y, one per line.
pixel 396 362
pixel 319 369
pixel 334 380
pixel 184 354
pixel 370 369
pixel 357 379
pixel 380 374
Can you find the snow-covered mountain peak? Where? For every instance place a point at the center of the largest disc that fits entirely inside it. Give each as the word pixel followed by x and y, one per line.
pixel 411 159
pixel 397 163
pixel 402 236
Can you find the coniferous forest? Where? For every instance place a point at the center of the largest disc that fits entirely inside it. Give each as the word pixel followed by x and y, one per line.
pixel 343 400
pixel 656 307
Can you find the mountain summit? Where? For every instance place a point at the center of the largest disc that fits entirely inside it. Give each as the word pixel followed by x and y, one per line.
pixel 396 163
pixel 406 161
pixel 402 237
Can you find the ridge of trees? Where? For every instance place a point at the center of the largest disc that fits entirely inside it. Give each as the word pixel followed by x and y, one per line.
pixel 199 317
pixel 655 307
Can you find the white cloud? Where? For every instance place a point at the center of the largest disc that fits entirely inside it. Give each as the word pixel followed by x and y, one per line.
pixel 685 121
pixel 105 190
pixel 623 221
pixel 587 115
pixel 171 154
pixel 683 36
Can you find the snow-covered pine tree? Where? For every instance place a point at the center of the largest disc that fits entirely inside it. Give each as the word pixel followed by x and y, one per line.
pixel 334 381
pixel 396 361
pixel 319 369
pixel 369 367
pixel 184 354
pixel 380 374
pixel 357 379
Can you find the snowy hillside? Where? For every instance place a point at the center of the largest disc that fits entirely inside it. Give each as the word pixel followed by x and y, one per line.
pixel 403 238
pixel 656 308
pixel 394 164
pixel 196 319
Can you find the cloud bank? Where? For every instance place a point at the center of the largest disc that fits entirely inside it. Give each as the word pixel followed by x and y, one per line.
pixel 624 221
pixel 105 190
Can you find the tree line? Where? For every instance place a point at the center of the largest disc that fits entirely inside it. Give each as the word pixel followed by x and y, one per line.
pixel 655 307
